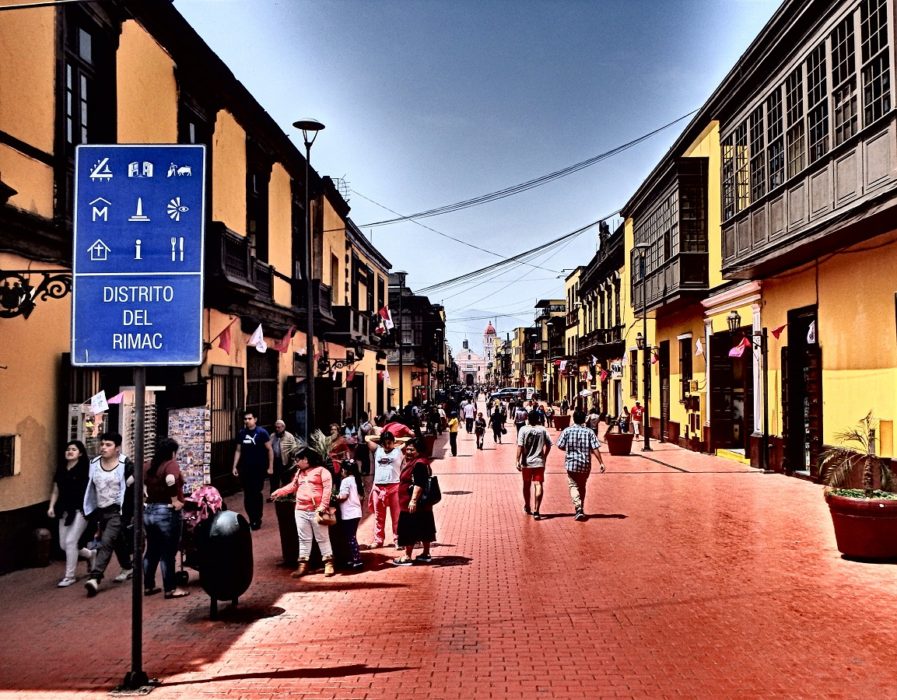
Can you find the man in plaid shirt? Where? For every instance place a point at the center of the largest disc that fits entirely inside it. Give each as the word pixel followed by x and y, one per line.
pixel 579 443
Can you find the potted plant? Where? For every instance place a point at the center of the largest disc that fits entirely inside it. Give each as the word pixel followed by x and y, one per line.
pixel 864 518
pixel 618 443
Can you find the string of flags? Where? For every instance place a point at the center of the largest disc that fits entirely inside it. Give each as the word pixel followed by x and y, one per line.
pixel 256 340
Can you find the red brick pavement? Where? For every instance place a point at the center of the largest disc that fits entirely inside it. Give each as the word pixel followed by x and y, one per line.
pixel 694 577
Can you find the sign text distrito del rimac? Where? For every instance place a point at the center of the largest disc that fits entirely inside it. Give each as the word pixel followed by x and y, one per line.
pixel 138 255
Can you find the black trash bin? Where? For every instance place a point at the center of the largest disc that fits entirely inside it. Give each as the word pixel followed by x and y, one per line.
pixel 225 558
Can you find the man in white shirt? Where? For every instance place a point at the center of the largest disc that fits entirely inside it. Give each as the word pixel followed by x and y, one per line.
pixel 533 446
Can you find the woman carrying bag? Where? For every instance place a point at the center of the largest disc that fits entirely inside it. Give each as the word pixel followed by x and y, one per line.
pixel 416 523
pixel 313 486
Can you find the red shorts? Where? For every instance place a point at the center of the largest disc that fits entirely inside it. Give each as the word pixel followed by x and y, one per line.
pixel 536 474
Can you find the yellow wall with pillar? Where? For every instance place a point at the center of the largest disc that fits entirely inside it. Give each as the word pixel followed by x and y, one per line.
pixel 334 246
pixel 854 292
pixel 30 352
pixel 280 232
pixel 146 89
pixel 633 325
pixel 229 173
pixel 29 116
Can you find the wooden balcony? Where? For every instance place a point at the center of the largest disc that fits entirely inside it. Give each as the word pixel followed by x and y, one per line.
pixel 846 197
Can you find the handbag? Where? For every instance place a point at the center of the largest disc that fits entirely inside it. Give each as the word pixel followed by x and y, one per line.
pixel 326 517
pixel 431 494
pixel 504 430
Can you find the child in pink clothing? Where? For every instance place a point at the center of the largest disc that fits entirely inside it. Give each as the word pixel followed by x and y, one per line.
pixel 312 486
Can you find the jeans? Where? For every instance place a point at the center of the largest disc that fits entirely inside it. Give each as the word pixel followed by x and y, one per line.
pixel 576 482
pixel 350 529
pixel 69 535
pixel 453 442
pixel 163 537
pixel 252 480
pixel 308 528
pixel 469 425
pixel 113 538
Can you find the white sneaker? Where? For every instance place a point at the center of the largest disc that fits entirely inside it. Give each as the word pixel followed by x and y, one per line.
pixel 66 582
pixel 92 587
pixel 124 575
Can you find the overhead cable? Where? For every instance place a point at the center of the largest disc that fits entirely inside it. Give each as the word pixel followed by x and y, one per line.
pixel 529 184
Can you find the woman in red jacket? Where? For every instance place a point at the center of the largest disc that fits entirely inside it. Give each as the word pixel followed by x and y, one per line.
pixel 312 486
pixel 416 523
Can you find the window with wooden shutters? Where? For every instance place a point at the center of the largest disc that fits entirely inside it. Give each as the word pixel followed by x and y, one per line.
pixel 817 104
pixel 844 82
pixel 876 61
pixel 775 149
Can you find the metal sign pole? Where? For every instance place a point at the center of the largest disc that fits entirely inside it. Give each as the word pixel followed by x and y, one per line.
pixel 136 677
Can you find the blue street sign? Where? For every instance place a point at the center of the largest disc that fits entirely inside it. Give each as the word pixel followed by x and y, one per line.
pixel 138 255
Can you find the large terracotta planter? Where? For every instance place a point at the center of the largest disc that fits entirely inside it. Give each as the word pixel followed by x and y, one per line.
pixel 864 528
pixel 619 443
pixel 561 422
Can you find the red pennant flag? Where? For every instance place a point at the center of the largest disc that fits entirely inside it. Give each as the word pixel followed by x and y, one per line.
pixel 738 350
pixel 603 375
pixel 776 332
pixel 224 338
pixel 283 345
pixel 387 318
pixel 350 375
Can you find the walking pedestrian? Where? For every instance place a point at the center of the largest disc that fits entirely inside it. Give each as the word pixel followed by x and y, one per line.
pixel 313 487
pixel 470 412
pixel 579 444
pixel 453 427
pixel 164 488
pixel 109 476
pixel 253 460
pixel 416 523
pixel 533 446
pixel 520 416
pixel 283 443
pixel 351 494
pixel 497 422
pixel 388 462
pixel 636 414
pixel 67 505
pixel 479 428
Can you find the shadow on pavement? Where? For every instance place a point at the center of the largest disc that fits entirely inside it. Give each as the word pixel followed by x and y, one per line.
pixel 589 516
pixel 239 614
pixel 442 562
pixel 331 672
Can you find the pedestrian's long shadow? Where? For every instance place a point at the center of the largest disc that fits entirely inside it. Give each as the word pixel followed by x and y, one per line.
pixel 589 516
pixel 330 672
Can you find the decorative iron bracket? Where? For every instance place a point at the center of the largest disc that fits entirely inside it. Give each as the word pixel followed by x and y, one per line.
pixel 18 295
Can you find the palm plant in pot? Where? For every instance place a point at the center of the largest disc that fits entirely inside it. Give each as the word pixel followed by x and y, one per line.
pixel 864 517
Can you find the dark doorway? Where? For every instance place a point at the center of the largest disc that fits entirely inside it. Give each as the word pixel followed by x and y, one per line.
pixel 802 393
pixel 663 360
pixel 261 385
pixel 226 404
pixel 731 393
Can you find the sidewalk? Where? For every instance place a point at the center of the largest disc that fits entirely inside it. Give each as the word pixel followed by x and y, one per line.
pixel 693 577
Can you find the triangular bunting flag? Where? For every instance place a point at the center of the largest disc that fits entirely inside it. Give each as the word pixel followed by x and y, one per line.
pixel 811 333
pixel 283 345
pixel 387 318
pixel 98 403
pixel 699 348
pixel 258 340
pixel 603 375
pixel 224 339
pixel 776 332
pixel 738 350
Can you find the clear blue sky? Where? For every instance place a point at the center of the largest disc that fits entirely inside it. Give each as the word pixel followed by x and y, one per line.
pixel 434 101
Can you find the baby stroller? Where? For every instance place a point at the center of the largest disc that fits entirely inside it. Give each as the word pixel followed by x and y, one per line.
pixel 199 506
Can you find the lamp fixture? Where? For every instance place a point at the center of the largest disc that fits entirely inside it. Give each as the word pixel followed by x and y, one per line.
pixel 17 299
pixel 640 341
pixel 733 320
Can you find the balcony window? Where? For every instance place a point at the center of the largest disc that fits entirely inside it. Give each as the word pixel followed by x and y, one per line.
pixel 817 103
pixel 876 62
pixel 757 154
pixel 775 151
pixel 794 95
pixel 258 175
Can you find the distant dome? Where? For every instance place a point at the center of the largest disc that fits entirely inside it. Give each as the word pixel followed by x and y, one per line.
pixel 490 330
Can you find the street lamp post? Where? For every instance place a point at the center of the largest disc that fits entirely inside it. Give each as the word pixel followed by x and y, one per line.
pixel 642 249
pixel 759 341
pixel 310 129
pixel 401 276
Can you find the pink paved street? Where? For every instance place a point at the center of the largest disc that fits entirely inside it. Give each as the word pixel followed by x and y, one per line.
pixel 693 577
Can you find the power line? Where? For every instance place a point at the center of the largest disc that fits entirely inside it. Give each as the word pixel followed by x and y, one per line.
pixel 529 184
pixel 440 233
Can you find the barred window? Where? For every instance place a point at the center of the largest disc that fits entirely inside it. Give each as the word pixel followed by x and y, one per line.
pixel 844 100
pixel 876 65
pixel 742 179
pixel 728 149
pixel 817 104
pixel 794 95
pixel 633 373
pixel 775 151
pixel 757 154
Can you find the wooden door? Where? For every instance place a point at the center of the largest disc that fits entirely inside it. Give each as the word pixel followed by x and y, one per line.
pixel 720 391
pixel 813 401
pixel 664 372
